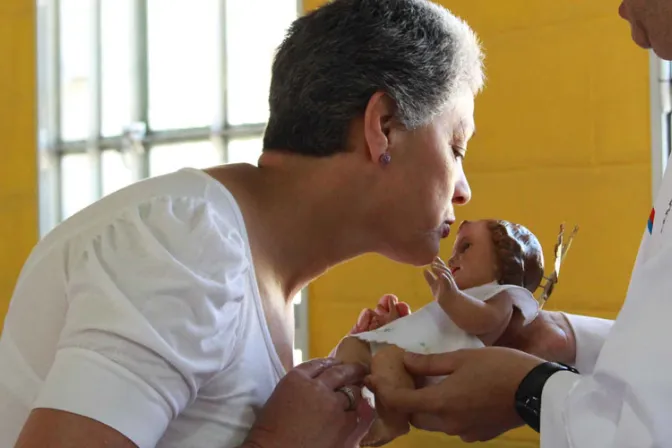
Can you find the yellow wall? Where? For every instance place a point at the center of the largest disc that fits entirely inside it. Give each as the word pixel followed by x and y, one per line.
pixel 563 134
pixel 18 124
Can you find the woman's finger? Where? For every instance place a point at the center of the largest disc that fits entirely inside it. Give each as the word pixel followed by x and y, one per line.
pixel 343 394
pixel 365 417
pixel 315 367
pixel 343 375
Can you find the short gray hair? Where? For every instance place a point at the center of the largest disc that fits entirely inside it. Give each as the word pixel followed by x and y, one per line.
pixel 336 57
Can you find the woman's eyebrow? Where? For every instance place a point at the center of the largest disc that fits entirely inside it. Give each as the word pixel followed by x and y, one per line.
pixel 471 125
pixel 466 126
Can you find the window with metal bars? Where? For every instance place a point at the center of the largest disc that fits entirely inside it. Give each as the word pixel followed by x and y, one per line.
pixel 136 88
pixel 661 117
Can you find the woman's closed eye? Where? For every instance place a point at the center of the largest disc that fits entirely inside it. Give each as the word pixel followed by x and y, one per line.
pixel 459 152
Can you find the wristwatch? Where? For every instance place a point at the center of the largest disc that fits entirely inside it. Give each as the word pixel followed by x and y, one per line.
pixel 528 395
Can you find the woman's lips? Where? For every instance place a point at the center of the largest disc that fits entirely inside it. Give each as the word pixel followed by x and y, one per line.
pixel 445 229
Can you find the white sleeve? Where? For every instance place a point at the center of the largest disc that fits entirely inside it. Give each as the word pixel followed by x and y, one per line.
pixel 590 334
pixel 155 299
pixel 627 400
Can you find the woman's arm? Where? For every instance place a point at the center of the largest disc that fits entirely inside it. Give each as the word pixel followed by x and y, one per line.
pixel 71 430
pixel 147 324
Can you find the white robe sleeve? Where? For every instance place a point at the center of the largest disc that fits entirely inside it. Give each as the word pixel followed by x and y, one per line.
pixel 627 400
pixel 590 334
pixel 154 299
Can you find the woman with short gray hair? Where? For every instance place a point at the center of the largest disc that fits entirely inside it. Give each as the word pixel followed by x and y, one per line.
pixel 161 315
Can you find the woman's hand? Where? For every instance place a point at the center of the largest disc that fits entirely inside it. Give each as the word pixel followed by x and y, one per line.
pixel 475 401
pixel 548 336
pixel 307 410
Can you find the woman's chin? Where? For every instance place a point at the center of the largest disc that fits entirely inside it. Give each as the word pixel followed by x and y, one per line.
pixel 418 255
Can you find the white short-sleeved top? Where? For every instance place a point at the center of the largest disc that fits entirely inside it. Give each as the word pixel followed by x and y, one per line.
pixel 142 312
pixel 430 330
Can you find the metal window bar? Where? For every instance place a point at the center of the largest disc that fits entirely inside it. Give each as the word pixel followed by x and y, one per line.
pixel 138 132
pixel 219 130
pixel 666 77
pixel 95 99
pixel 133 140
pixel 138 138
pixel 49 113
pixel 660 86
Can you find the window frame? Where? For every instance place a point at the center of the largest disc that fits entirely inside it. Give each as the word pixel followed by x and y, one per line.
pixel 660 90
pixel 137 139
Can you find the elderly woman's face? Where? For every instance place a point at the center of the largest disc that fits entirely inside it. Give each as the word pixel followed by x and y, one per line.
pixel 426 180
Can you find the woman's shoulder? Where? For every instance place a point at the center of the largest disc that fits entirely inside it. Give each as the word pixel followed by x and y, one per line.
pixel 189 196
pixel 186 214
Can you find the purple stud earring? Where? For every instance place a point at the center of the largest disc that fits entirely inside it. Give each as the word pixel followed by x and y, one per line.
pixel 385 158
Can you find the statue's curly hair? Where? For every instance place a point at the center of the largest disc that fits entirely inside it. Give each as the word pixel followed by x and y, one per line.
pixel 520 257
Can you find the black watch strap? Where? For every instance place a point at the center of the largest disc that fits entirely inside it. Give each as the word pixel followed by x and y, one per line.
pixel 528 395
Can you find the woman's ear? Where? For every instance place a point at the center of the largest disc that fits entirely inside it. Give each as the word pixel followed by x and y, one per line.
pixel 378 120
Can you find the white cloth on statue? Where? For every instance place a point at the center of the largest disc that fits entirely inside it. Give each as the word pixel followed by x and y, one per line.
pixel 624 399
pixel 430 330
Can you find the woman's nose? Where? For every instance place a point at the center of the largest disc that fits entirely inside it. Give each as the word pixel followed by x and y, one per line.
pixel 462 193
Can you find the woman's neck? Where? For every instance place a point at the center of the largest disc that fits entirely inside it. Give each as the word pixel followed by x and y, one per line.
pixel 304 216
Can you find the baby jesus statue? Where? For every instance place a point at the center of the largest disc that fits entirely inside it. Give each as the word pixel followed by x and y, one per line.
pixel 494 270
